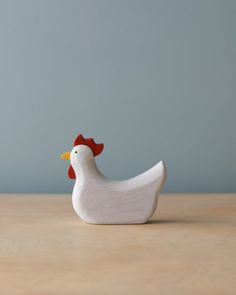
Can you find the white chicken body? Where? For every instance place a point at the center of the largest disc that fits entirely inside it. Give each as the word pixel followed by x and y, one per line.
pixel 99 200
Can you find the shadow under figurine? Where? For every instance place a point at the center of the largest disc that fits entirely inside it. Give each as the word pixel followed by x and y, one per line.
pixel 100 200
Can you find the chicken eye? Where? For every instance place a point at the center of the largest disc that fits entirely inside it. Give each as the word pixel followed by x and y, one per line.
pixel 76 152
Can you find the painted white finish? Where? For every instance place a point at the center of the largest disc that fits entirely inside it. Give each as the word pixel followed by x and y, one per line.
pixel 99 200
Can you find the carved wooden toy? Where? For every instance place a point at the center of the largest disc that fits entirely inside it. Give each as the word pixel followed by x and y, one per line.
pixel 99 200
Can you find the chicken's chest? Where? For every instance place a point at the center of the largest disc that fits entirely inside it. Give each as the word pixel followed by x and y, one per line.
pixel 86 190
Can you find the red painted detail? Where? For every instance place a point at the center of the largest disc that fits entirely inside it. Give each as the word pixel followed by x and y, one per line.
pixel 71 173
pixel 95 147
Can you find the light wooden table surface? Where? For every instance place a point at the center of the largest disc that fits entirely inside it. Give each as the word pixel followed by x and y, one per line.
pixel 189 247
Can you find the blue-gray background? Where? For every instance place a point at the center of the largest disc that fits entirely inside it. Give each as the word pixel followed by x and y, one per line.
pixel 151 79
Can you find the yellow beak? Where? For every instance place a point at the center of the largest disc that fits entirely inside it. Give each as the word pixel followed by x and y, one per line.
pixel 65 156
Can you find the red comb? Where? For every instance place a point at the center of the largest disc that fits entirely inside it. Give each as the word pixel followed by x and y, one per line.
pixel 95 147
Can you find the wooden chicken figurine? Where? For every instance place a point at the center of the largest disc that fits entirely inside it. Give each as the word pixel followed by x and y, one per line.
pixel 99 200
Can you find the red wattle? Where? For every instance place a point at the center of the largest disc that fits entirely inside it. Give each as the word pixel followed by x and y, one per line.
pixel 71 173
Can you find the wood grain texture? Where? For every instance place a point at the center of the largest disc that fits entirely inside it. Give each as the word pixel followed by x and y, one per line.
pixel 189 247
